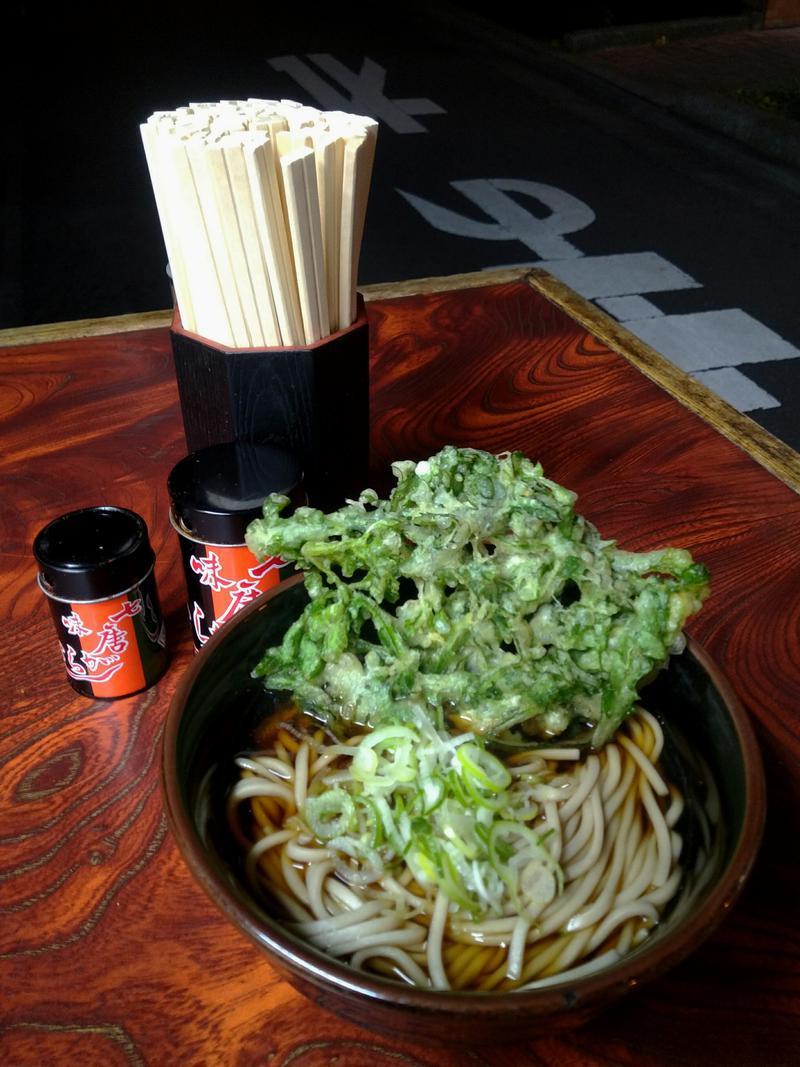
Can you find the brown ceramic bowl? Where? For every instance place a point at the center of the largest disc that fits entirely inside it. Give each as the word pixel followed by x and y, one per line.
pixel 217 699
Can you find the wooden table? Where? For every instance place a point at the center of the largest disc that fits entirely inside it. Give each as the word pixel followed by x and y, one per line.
pixel 109 952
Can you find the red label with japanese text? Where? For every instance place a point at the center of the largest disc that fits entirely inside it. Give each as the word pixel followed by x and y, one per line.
pixel 222 579
pixel 115 647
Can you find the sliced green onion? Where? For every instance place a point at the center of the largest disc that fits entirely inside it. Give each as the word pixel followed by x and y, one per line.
pixel 371 821
pixel 364 765
pixel 427 799
pixel 423 864
pixel 512 845
pixel 372 764
pixel 421 827
pixel 486 769
pixel 392 835
pixel 451 881
pixel 456 788
pixel 478 797
pixel 370 866
pixel 388 733
pixel 330 814
pixel 445 806
pixel 457 827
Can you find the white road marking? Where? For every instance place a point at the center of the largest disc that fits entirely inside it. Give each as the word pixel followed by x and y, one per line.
pixel 738 390
pixel 511 221
pixel 707 339
pixel 620 275
pixel 418 105
pixel 365 89
pixel 623 308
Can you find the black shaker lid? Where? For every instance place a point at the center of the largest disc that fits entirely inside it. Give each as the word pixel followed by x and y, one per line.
pixel 93 553
pixel 218 491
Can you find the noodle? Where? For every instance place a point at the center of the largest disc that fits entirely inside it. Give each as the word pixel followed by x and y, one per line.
pixel 607 820
pixel 301 775
pixel 435 936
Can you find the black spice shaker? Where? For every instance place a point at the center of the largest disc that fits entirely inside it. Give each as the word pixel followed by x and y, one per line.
pixel 215 494
pixel 96 569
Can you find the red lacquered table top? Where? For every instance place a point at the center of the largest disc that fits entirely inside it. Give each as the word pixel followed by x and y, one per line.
pixel 109 952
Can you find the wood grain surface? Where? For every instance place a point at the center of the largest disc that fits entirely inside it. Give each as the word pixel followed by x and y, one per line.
pixel 109 953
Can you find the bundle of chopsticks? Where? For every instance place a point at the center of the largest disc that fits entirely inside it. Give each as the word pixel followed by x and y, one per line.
pixel 262 206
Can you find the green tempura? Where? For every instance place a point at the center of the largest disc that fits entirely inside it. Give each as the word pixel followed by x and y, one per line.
pixel 475 591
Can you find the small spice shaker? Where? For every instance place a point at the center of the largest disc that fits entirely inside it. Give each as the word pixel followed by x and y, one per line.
pixel 215 494
pixel 96 569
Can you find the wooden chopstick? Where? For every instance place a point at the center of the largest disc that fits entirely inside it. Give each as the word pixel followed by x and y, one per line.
pixel 267 204
pixel 328 158
pixel 266 319
pixel 208 301
pixel 172 242
pixel 206 172
pixel 302 205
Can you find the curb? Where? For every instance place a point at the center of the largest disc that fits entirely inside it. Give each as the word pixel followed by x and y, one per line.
pixel 769 135
pixel 647 32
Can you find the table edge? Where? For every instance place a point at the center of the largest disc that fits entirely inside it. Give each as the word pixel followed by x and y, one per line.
pixel 75 329
pixel 778 458
pixel 765 449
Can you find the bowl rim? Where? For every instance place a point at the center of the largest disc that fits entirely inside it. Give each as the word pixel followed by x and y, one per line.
pixel 640 965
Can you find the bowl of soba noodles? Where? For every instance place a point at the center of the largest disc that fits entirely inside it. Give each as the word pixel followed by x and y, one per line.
pixel 465 773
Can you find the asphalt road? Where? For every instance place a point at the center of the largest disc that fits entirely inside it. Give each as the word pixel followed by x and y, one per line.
pixel 492 152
